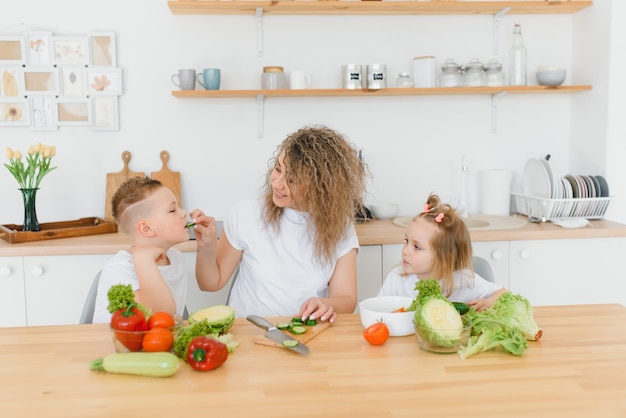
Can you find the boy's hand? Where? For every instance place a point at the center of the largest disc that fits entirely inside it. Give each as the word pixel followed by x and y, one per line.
pixel 205 229
pixel 148 254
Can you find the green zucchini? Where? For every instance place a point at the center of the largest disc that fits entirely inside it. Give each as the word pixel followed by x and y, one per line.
pixel 461 307
pixel 159 364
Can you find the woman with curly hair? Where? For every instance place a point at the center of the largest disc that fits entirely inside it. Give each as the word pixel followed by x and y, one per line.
pixel 296 246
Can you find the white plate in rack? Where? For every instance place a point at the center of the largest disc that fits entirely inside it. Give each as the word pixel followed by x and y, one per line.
pixel 536 179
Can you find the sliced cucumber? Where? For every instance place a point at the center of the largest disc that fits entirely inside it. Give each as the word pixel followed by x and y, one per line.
pixel 297 329
pixel 296 321
pixel 311 322
pixel 461 307
pixel 290 343
pixel 283 325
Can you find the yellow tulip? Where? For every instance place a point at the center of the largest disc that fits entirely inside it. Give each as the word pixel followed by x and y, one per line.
pixel 46 151
pixel 38 147
pixel 9 153
pixel 17 155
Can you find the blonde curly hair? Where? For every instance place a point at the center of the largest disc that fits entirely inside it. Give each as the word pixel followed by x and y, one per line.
pixel 331 182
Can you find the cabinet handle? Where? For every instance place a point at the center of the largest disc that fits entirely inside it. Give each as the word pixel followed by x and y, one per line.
pixel 37 271
pixel 6 271
pixel 524 254
pixel 496 255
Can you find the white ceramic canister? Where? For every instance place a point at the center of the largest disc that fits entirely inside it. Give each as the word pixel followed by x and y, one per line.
pixel 424 71
pixel 273 78
pixel 376 76
pixel 495 195
pixel 351 76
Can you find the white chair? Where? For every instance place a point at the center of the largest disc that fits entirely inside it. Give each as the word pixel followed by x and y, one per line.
pixel 86 317
pixel 483 268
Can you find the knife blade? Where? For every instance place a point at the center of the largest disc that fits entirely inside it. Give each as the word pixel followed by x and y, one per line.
pixel 277 335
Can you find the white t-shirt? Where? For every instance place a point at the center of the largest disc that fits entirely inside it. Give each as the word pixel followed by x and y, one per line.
pixel 466 289
pixel 120 269
pixel 278 271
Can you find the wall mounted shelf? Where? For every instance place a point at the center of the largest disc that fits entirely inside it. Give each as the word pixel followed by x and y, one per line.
pixel 334 7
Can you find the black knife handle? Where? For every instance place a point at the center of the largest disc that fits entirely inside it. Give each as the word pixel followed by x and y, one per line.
pixel 260 322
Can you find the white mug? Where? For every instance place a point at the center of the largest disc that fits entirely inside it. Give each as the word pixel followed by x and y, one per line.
pixel 299 80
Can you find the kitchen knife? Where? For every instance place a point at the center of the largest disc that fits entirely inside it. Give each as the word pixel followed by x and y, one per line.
pixel 277 335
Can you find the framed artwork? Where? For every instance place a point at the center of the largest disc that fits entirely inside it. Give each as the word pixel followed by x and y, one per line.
pixel 73 112
pixel 12 50
pixel 102 49
pixel 105 113
pixel 40 81
pixel 104 81
pixel 14 112
pixel 70 50
pixel 11 81
pixel 43 113
pixel 39 49
pixel 72 80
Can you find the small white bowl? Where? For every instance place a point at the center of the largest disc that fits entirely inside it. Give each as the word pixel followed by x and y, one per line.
pixel 384 212
pixel 380 308
pixel 550 76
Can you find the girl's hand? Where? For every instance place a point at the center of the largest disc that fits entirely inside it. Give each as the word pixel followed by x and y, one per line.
pixel 480 304
pixel 205 228
pixel 315 308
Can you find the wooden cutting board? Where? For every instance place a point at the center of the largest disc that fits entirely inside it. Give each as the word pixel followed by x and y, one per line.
pixel 170 179
pixel 115 180
pixel 311 332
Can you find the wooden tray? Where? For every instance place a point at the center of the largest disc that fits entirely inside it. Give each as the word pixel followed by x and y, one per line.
pixel 311 333
pixel 13 234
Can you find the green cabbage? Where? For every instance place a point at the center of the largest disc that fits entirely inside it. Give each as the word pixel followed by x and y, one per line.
pixel 510 340
pixel 220 318
pixel 438 322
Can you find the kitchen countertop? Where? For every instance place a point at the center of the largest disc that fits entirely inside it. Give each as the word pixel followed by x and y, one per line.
pixel 575 370
pixel 374 232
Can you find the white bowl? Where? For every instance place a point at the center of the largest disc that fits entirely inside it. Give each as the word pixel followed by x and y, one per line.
pixel 550 76
pixel 380 308
pixel 384 212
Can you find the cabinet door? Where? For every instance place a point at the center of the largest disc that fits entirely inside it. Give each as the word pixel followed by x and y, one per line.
pixel 392 257
pixel 368 271
pixel 497 254
pixel 56 287
pixel 196 298
pixel 573 271
pixel 12 299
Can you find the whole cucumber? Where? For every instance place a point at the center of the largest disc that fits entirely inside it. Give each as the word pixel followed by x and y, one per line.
pixel 158 364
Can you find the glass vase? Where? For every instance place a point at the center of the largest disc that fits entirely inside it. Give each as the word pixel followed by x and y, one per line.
pixel 30 211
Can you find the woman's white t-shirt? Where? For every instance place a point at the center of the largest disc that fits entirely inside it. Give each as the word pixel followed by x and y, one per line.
pixel 278 270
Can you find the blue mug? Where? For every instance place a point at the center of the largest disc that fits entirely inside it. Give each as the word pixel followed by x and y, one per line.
pixel 209 78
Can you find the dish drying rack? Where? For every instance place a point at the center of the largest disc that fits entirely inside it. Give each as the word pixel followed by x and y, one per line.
pixel 545 209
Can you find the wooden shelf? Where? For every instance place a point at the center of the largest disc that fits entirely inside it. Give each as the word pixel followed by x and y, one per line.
pixel 334 7
pixel 437 91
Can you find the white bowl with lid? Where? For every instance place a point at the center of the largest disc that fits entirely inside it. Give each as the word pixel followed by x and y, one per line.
pixel 550 76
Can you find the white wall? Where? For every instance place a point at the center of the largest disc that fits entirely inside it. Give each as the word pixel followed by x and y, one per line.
pixel 412 144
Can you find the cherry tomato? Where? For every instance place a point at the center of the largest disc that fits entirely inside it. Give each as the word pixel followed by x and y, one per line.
pixel 161 320
pixel 376 334
pixel 158 339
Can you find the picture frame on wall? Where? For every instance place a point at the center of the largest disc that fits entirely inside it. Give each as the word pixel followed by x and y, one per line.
pixel 12 50
pixel 72 80
pixel 41 81
pixel 43 113
pixel 73 112
pixel 11 81
pixel 14 112
pixel 104 81
pixel 105 113
pixel 39 49
pixel 70 50
pixel 103 52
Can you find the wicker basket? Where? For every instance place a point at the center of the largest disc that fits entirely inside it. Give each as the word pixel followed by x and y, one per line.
pixel 549 209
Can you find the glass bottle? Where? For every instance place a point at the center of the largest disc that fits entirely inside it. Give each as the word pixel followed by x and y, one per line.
pixel 474 75
pixel 404 81
pixel 517 64
pixel 451 75
pixel 494 75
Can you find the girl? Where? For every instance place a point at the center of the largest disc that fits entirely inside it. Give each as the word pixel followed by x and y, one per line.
pixel 296 246
pixel 438 246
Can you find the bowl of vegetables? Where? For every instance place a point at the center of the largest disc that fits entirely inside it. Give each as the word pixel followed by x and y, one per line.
pixel 156 334
pixel 439 327
pixel 390 310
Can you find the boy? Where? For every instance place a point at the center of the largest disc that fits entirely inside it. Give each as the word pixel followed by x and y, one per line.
pixel 148 213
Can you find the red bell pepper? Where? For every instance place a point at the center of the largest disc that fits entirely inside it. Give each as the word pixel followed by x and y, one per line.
pixel 206 353
pixel 129 319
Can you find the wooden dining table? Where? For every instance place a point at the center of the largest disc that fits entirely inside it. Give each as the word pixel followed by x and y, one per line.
pixel 577 369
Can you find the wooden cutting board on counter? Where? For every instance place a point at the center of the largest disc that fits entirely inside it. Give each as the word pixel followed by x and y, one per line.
pixel 310 333
pixel 115 180
pixel 170 179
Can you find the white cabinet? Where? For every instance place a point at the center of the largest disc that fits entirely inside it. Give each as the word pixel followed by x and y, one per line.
pixel 369 271
pixel 497 254
pixel 12 298
pixel 56 287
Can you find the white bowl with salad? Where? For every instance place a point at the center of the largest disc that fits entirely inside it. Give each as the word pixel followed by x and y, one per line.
pixel 391 310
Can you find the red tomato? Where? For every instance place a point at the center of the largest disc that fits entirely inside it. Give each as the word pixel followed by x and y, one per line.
pixel 158 339
pixel 161 320
pixel 376 334
pixel 127 321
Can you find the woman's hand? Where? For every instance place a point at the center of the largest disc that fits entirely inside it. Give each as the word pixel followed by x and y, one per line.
pixel 205 228
pixel 315 308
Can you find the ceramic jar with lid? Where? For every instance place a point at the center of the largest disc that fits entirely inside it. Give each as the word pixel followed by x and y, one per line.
pixel 474 74
pixel 451 75
pixel 404 81
pixel 494 77
pixel 273 78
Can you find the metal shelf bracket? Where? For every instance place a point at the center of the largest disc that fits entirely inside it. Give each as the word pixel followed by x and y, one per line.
pixel 259 31
pixel 494 110
pixel 496 30
pixel 260 114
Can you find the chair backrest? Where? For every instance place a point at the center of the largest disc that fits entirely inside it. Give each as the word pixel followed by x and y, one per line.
pixel 86 317
pixel 483 269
